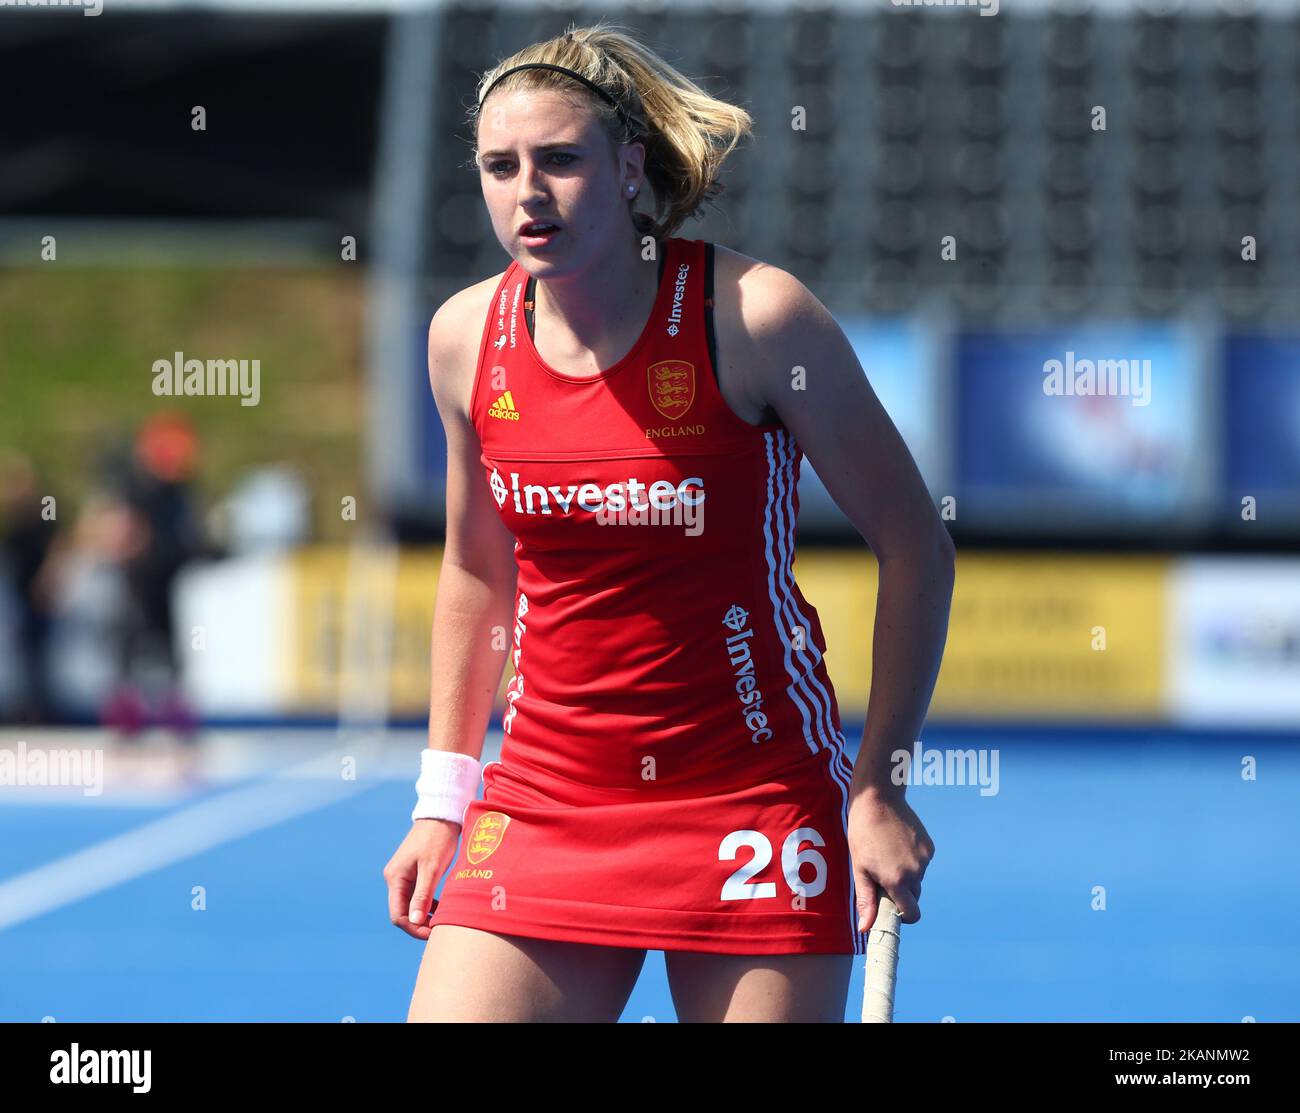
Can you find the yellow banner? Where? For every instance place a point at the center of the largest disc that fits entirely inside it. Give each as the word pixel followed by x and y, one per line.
pixel 1057 637
pixel 1041 637
pixel 1053 637
pixel 361 631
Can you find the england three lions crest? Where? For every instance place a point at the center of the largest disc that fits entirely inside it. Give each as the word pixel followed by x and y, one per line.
pixel 486 836
pixel 672 386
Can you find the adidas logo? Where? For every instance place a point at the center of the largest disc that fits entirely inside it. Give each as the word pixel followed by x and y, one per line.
pixel 504 408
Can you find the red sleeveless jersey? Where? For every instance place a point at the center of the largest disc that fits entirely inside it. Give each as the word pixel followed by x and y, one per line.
pixel 672 772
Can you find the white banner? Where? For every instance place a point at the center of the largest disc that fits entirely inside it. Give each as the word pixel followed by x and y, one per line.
pixel 1234 642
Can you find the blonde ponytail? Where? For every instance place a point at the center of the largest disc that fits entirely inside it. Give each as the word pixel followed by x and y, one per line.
pixel 687 133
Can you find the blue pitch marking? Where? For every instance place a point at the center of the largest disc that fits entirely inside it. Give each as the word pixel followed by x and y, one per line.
pixel 1197 865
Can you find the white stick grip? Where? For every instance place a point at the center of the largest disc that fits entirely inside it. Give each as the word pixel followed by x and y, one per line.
pixel 882 965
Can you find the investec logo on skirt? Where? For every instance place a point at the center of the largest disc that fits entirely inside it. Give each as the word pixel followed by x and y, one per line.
pixel 630 502
pixel 742 665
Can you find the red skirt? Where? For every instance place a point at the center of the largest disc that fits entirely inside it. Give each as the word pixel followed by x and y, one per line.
pixel 763 869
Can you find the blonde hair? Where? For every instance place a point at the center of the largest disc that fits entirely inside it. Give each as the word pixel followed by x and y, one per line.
pixel 687 133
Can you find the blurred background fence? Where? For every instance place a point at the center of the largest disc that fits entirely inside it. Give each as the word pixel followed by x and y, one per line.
pixel 978 195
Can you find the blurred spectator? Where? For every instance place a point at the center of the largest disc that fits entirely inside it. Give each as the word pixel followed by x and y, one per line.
pixel 88 602
pixel 25 543
pixel 269 510
pixel 153 533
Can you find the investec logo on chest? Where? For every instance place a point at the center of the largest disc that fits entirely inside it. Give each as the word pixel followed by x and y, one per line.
pixel 630 502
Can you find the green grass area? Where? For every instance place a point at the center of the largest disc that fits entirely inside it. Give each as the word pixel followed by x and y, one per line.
pixel 77 348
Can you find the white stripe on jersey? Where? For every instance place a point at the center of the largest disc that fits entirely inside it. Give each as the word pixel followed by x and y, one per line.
pixel 779 509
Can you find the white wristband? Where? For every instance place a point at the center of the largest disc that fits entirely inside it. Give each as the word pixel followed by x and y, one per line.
pixel 448 782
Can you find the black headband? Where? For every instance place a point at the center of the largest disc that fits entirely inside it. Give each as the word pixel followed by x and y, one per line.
pixel 561 69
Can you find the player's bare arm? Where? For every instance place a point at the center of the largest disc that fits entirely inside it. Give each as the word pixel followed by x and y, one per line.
pixel 802 365
pixel 474 593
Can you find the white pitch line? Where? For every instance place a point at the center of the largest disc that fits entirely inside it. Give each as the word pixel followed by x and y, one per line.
pixel 292 792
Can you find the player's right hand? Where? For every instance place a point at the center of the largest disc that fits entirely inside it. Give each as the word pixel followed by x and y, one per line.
pixel 413 871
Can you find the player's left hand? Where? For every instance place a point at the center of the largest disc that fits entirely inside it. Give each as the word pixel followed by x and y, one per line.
pixel 891 849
